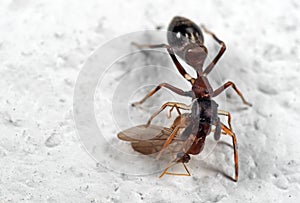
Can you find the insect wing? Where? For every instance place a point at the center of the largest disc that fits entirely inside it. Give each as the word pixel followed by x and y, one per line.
pixel 148 140
pixel 141 132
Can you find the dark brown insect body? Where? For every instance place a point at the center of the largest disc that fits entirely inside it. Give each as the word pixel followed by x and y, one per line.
pixel 186 40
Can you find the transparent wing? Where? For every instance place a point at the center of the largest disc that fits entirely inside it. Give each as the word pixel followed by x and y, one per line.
pixel 150 140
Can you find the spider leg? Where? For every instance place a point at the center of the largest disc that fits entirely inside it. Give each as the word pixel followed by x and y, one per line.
pixel 230 84
pixel 226 113
pixel 157 88
pixel 227 131
pixel 221 52
pixel 172 55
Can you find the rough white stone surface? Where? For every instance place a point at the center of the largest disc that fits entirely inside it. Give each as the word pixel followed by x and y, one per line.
pixel 43 45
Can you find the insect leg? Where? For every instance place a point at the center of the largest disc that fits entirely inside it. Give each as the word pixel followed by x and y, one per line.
pixel 225 113
pixel 168 141
pixel 172 55
pixel 170 111
pixel 166 85
pixel 221 52
pixel 227 131
pixel 175 174
pixel 171 104
pixel 230 84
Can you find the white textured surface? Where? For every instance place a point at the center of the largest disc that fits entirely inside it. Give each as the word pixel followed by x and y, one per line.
pixel 43 44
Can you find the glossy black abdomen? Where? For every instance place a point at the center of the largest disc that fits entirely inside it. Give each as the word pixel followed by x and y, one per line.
pixel 183 34
pixel 181 29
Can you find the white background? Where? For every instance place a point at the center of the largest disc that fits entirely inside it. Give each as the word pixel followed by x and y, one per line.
pixel 43 45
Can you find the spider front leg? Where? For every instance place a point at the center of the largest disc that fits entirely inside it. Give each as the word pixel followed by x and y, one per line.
pixel 221 52
pixel 172 55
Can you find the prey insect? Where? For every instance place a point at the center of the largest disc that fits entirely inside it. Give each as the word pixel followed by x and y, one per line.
pixel 151 139
pixel 186 40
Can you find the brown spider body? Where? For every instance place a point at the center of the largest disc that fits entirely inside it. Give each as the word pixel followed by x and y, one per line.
pixel 186 40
